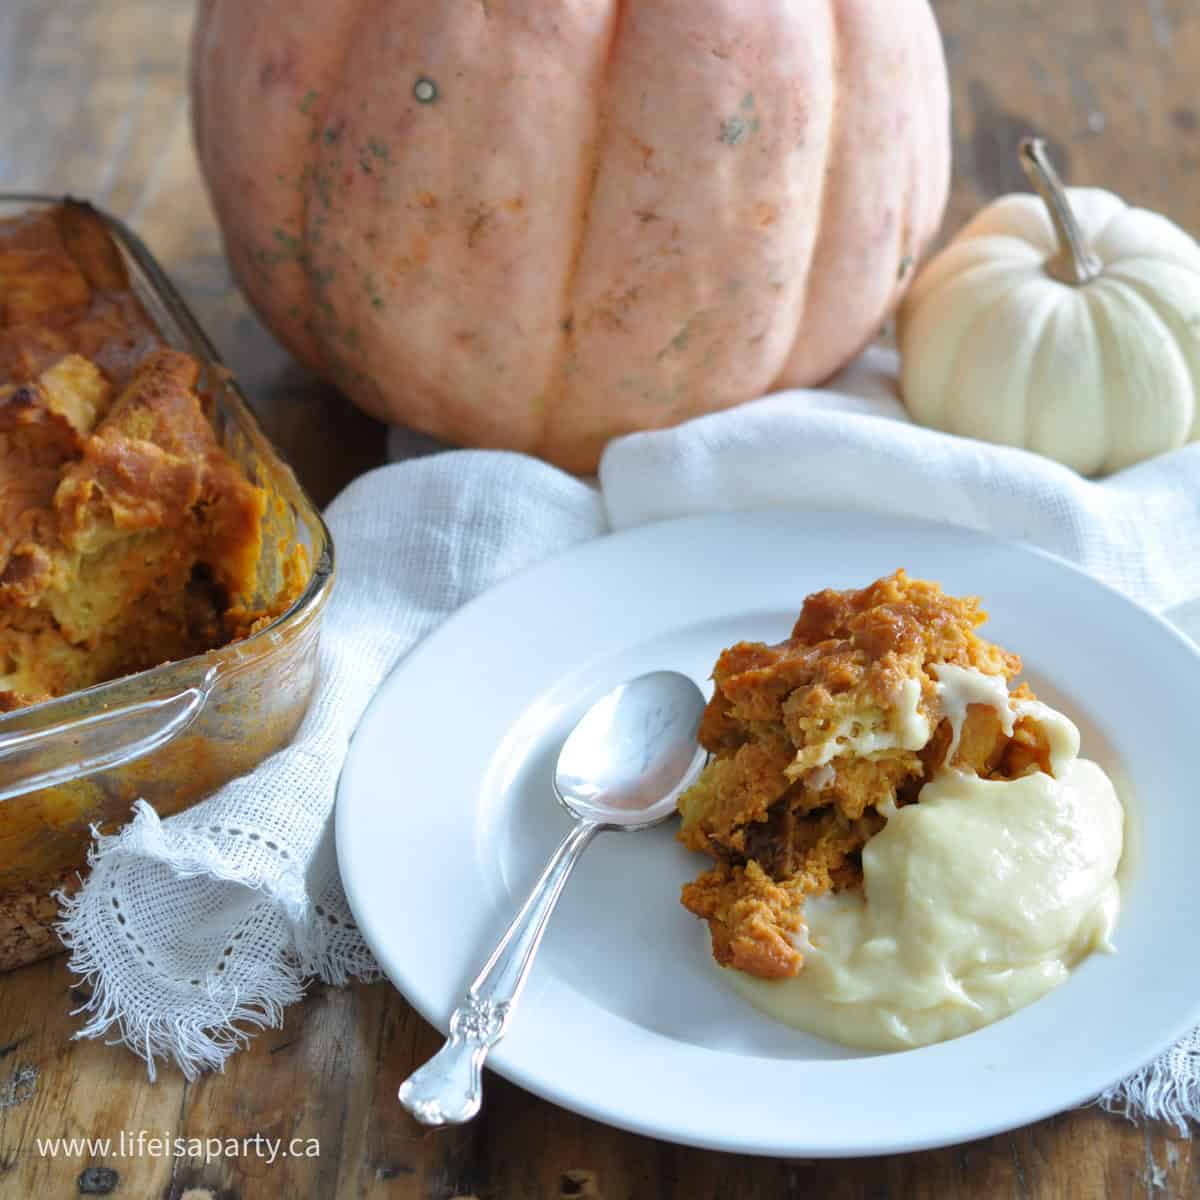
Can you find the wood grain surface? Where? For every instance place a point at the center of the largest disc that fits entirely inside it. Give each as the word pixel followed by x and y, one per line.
pixel 93 101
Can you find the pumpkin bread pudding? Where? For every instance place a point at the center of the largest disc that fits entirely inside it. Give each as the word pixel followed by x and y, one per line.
pixel 817 741
pixel 128 537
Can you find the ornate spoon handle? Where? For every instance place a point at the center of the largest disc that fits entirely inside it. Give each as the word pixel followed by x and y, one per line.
pixel 448 1089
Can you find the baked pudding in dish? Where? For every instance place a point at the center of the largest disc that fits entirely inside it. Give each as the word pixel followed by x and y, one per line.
pixel 152 542
pixel 906 846
pixel 128 537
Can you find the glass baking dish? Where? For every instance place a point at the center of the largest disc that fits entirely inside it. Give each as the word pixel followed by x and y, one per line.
pixel 173 734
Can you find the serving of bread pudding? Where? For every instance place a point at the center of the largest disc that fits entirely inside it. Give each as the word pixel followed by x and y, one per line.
pixel 815 741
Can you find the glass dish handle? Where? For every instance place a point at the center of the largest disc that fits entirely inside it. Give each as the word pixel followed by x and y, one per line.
pixel 31 759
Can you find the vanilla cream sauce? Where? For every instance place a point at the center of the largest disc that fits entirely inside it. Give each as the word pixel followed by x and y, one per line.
pixel 976 901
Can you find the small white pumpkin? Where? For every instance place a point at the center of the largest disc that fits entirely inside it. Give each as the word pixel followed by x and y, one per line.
pixel 1069 325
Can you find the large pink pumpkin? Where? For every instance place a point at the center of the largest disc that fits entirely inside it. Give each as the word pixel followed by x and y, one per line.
pixel 538 225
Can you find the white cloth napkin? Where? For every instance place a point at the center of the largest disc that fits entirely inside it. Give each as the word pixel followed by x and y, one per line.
pixel 213 933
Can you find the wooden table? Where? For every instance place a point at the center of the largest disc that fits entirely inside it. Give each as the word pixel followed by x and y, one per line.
pixel 92 100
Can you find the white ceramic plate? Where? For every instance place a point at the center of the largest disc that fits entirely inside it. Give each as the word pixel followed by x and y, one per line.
pixel 445 817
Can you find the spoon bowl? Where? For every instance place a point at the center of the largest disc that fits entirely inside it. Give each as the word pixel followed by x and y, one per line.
pixel 622 767
pixel 626 762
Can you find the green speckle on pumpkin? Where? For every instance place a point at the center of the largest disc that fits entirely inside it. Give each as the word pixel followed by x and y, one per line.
pixel 290 243
pixel 373 150
pixel 310 98
pixel 742 125
pixel 679 342
pixel 425 91
pixel 288 248
pixel 323 186
pixel 331 134
pixel 371 287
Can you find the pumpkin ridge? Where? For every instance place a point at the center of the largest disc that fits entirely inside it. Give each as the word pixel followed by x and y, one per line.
pixel 952 415
pixel 1084 458
pixel 1121 291
pixel 935 184
pixel 830 142
pixel 556 376
pixel 1175 322
pixel 1118 273
pixel 1103 232
pixel 1098 315
pixel 320 115
pixel 1042 315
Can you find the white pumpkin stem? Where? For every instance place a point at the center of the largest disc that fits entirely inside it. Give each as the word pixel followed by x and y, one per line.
pixel 1074 263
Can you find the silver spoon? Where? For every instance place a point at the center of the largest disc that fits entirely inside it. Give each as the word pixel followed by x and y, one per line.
pixel 623 767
